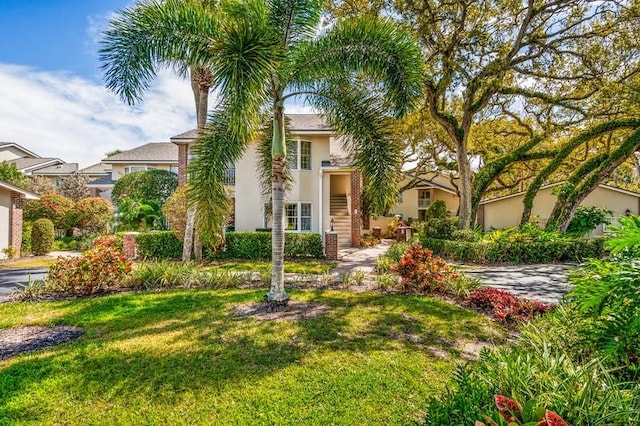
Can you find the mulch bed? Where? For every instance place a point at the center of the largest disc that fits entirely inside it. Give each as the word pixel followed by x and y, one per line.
pixel 29 338
pixel 295 311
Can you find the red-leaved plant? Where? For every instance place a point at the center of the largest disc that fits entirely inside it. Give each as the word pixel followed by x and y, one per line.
pixel 512 413
pixel 422 272
pixel 504 306
pixel 95 270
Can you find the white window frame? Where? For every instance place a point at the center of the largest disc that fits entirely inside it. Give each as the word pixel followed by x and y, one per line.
pixel 294 156
pixel 299 216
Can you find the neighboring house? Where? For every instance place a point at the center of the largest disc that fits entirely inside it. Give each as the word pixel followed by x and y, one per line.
pixel 505 212
pixel 150 156
pixel 11 204
pixel 425 189
pixel 325 190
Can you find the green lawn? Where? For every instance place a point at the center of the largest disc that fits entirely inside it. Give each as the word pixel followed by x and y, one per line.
pixel 297 267
pixel 182 357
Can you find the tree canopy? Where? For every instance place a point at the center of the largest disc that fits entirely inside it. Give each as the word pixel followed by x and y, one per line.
pixel 152 185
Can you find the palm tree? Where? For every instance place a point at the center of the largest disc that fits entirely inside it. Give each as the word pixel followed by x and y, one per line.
pixel 359 73
pixel 137 43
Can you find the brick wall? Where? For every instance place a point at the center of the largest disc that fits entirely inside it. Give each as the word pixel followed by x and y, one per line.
pixel 331 245
pixel 15 221
pixel 356 208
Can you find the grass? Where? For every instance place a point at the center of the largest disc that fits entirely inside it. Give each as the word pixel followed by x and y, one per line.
pixel 40 262
pixel 296 267
pixel 182 357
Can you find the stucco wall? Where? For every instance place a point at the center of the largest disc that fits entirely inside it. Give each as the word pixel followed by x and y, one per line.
pixel 118 169
pixel 11 153
pixel 507 212
pixel 5 226
pixel 249 212
pixel 408 207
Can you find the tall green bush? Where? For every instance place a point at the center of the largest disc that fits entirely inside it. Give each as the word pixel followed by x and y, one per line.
pixel 587 219
pixel 42 236
pixel 153 185
pixel 159 245
pixel 93 215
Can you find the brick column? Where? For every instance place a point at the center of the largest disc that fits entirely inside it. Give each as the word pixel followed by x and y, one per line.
pixel 129 247
pixel 15 221
pixel 331 245
pixel 183 158
pixel 356 208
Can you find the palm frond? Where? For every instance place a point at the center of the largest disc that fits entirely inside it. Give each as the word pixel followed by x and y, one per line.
pixel 216 148
pixel 369 140
pixel 365 47
pixel 151 35
pixel 295 20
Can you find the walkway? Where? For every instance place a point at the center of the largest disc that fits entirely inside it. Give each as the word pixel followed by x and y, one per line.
pixel 547 282
pixel 353 259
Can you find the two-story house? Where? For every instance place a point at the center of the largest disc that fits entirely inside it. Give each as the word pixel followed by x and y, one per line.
pixel 326 188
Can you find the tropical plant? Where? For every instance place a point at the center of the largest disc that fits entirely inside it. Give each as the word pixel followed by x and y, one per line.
pixel 152 185
pixel 138 215
pixel 626 241
pixel 359 73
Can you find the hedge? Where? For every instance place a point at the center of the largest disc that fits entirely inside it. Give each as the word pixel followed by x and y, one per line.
pixel 239 245
pixel 159 245
pixel 257 245
pixel 557 250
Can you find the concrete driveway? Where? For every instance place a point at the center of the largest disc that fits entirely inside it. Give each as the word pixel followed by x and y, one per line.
pixel 547 282
pixel 9 279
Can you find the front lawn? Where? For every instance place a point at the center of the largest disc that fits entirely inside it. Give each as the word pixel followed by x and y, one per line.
pixel 183 357
pixel 296 267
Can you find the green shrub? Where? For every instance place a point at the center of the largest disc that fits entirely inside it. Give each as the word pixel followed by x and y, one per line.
pixel 441 228
pixel 437 210
pixel 518 248
pixel 159 245
pixel 26 238
pixel 466 234
pixel 626 241
pixel 166 274
pixel 587 219
pixel 42 236
pixel 155 185
pixel 94 271
pixel 396 251
pixel 257 245
pixel 302 245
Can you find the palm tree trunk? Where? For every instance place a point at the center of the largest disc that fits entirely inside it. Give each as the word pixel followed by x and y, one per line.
pixel 277 294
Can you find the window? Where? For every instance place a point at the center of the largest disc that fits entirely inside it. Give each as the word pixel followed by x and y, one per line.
pixel 230 175
pixel 174 169
pixel 424 198
pixel 299 155
pixel 132 169
pixel 298 217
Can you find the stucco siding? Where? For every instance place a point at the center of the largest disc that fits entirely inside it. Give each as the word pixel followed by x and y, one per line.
pixel 408 207
pixel 507 212
pixel 11 153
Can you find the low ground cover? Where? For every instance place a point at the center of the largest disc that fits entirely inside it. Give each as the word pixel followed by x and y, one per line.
pixel 183 356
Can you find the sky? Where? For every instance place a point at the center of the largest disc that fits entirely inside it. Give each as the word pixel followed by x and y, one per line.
pixel 52 95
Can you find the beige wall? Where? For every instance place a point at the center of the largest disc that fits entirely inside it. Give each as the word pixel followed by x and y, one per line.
pixel 5 205
pixel 408 207
pixel 11 154
pixel 249 213
pixel 507 212
pixel 117 170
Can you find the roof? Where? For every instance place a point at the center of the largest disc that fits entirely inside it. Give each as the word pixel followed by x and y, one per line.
pixel 298 123
pixel 95 169
pixel 58 169
pixel 28 195
pixel 4 145
pixel 602 185
pixel 427 180
pixel 102 181
pixel 33 163
pixel 153 152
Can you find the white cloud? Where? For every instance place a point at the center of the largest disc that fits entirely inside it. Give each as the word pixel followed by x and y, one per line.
pixel 65 116
pixel 60 115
